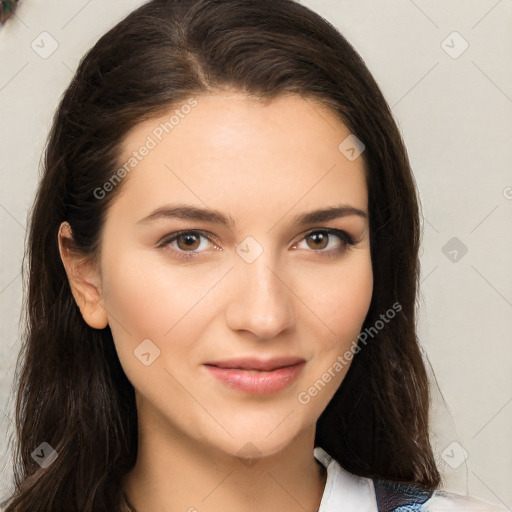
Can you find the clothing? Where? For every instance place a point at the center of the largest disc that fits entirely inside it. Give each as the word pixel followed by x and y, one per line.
pixel 346 492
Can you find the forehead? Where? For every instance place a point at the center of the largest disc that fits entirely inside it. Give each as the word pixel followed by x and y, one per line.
pixel 233 148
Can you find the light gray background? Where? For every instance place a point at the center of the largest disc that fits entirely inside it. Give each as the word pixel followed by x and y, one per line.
pixel 455 116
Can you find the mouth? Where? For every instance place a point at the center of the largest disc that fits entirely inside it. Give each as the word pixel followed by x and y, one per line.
pixel 256 381
pixel 259 365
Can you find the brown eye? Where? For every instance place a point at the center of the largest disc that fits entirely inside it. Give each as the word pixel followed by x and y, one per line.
pixel 188 242
pixel 327 242
pixel 320 240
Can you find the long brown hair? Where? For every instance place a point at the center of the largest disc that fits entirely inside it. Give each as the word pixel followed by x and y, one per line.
pixel 72 392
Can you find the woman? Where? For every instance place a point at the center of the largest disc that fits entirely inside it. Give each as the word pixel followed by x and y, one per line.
pixel 223 267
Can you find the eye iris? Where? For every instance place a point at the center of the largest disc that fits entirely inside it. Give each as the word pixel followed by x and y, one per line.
pixel 189 239
pixel 321 237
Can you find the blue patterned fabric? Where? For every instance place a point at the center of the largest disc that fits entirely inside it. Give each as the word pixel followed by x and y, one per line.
pixel 400 497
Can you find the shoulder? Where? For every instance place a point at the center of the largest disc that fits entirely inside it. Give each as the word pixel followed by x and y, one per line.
pixel 402 496
pixel 347 491
pixel 394 496
pixel 442 501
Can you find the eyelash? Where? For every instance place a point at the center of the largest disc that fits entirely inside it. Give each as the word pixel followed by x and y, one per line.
pixel 345 238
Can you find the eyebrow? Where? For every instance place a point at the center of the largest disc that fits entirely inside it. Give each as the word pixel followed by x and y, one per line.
pixel 190 212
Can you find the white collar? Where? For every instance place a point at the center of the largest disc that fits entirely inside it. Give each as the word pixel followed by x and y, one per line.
pixel 344 491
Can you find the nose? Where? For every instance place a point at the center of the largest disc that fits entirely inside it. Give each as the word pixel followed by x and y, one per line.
pixel 261 302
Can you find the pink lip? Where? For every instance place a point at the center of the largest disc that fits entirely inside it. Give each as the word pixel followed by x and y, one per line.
pixel 254 381
pixel 253 363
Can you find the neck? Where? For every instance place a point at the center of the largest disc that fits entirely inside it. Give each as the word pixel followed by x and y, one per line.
pixel 176 472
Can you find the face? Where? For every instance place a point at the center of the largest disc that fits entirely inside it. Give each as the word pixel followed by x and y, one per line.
pixel 184 290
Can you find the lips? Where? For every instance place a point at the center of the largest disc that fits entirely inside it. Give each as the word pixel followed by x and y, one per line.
pixel 256 376
pixel 253 363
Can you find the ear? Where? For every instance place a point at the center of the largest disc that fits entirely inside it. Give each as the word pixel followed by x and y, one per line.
pixel 83 280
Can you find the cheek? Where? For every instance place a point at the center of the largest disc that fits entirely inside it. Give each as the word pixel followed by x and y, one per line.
pixel 134 299
pixel 341 300
pixel 147 298
pixel 155 300
pixel 353 301
pixel 343 306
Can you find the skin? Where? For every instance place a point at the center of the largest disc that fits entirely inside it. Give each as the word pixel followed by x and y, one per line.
pixel 262 164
